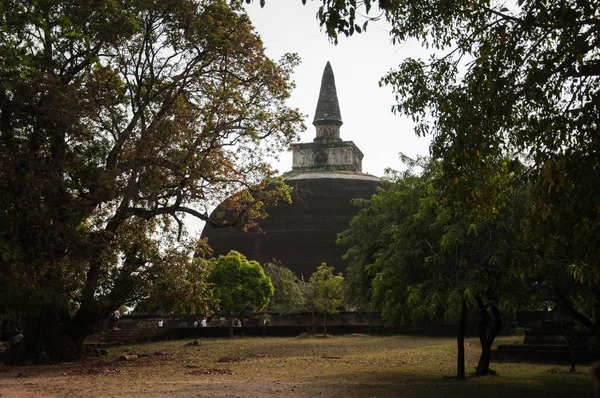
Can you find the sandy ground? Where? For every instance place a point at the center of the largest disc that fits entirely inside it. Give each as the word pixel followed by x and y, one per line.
pixel 122 380
pixel 179 373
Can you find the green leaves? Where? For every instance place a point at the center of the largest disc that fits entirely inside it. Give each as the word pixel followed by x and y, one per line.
pixel 177 285
pixel 325 290
pixel 239 284
pixel 118 120
pixel 288 296
pixel 415 254
pixel 505 82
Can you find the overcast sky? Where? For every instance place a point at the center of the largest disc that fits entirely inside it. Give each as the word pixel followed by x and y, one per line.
pixel 358 63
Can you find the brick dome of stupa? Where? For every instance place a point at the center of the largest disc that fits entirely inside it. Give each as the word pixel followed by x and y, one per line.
pixel 326 175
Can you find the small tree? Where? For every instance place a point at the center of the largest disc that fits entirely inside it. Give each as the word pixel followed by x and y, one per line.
pixel 288 296
pixel 325 291
pixel 239 285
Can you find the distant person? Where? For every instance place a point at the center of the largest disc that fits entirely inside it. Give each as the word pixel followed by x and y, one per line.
pixel 195 324
pixel 265 324
pixel 18 337
pixel 116 316
pixel 160 323
pixel 203 323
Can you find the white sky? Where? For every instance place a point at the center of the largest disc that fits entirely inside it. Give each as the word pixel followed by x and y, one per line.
pixel 358 63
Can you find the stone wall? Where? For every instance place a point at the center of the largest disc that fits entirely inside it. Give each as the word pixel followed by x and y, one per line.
pixel 327 156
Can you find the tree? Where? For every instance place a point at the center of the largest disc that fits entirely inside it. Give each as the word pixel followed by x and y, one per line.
pixel 179 287
pixel 288 295
pixel 240 285
pixel 504 81
pixel 397 264
pixel 505 87
pixel 415 256
pixel 117 119
pixel 325 291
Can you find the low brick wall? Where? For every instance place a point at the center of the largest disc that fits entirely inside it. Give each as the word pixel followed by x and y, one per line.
pixel 295 324
pixel 291 331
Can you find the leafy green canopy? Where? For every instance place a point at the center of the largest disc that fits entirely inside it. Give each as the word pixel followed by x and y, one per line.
pixel 412 256
pixel 504 82
pixel 325 290
pixel 389 244
pixel 415 256
pixel 117 119
pixel 178 288
pixel 288 296
pixel 239 284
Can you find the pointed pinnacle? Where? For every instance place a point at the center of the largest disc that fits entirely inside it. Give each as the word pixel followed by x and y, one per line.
pixel 328 108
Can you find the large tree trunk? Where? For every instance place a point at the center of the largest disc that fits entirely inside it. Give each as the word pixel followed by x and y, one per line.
pixel 462 325
pixel 48 336
pixel 487 339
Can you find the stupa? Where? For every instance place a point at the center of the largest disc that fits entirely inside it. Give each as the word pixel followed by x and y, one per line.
pixel 326 175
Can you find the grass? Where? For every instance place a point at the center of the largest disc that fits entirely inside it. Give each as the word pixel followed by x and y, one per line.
pixel 349 366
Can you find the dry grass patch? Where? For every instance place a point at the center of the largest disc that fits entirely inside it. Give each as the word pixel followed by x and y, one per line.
pixel 342 366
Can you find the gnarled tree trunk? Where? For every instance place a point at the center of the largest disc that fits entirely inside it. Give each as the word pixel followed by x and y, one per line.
pixel 50 335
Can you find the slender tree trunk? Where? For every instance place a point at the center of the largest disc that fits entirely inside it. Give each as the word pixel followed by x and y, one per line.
pixel 313 328
pixel 572 356
pixel 571 345
pixel 230 320
pixel 482 332
pixel 486 340
pixel 462 324
pixel 325 323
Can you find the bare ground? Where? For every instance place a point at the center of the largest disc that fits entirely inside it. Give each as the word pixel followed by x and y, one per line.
pixel 345 366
